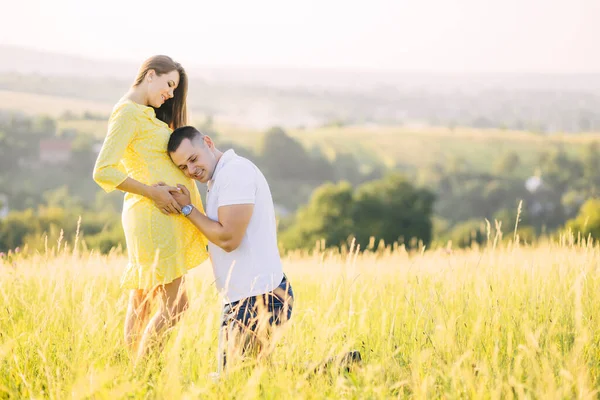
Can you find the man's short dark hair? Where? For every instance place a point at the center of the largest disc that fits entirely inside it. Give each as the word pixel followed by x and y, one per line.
pixel 180 134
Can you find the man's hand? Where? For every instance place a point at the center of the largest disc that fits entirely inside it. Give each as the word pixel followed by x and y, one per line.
pixel 162 195
pixel 181 194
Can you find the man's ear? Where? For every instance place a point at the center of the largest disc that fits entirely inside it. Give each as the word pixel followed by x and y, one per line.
pixel 208 141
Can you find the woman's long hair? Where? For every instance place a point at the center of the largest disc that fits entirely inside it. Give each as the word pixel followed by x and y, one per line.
pixel 174 111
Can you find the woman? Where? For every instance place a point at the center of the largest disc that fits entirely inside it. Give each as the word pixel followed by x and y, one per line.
pixel 134 158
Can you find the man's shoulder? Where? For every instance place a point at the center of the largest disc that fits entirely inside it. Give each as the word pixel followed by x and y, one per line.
pixel 239 165
pixel 236 170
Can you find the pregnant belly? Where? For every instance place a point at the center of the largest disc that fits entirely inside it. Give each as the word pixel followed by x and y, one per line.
pixel 165 171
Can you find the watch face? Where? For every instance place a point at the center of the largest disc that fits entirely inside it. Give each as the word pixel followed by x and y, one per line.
pixel 186 210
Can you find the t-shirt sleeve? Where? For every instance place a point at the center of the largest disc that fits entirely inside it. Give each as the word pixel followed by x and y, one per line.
pixel 238 185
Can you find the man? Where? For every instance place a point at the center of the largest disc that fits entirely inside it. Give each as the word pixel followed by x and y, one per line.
pixel 241 228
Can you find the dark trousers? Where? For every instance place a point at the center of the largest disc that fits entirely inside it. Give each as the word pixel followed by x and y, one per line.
pixel 250 319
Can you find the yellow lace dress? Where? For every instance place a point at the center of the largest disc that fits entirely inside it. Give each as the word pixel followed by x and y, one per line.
pixel 161 247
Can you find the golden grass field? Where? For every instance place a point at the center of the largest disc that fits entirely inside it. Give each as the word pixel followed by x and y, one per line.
pixel 505 321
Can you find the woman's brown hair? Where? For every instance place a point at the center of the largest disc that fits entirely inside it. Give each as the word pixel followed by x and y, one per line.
pixel 174 111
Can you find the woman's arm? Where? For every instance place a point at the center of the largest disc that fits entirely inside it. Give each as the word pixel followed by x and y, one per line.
pixel 109 172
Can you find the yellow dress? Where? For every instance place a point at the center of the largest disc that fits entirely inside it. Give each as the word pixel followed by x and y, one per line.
pixel 161 247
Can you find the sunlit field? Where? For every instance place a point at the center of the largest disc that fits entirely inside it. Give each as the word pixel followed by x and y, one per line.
pixel 500 321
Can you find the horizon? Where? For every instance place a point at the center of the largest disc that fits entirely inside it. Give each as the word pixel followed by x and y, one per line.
pixel 195 67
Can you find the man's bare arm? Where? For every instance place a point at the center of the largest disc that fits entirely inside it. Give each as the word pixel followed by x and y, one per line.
pixel 229 230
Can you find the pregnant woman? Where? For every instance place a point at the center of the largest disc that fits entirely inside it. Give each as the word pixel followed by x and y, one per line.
pixel 162 244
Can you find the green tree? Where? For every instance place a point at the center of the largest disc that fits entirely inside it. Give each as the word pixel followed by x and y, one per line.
pixel 392 209
pixel 346 167
pixel 15 227
pixel 588 220
pixel 283 157
pixel 328 216
pixel 44 125
pixel 591 168
pixel 559 171
pixel 468 232
pixel 507 163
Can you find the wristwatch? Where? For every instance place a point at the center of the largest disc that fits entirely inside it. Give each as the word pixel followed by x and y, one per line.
pixel 187 210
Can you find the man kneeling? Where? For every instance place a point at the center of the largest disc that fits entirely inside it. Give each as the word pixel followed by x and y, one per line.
pixel 241 228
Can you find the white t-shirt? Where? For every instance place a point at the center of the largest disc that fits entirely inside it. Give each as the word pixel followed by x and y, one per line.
pixel 255 266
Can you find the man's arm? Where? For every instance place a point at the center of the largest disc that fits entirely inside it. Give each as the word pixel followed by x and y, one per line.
pixel 229 230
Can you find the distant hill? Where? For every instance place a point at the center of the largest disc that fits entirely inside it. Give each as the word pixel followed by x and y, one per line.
pixel 26 61
pixel 31 61
pixel 260 98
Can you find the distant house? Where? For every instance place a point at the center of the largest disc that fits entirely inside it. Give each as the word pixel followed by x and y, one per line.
pixel 533 183
pixel 55 151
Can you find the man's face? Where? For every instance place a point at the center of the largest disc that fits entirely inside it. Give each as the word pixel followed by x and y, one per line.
pixel 196 158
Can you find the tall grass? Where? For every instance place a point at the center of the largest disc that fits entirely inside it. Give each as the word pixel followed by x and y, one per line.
pixel 502 321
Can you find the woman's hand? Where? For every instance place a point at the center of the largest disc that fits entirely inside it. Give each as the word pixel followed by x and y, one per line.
pixel 161 195
pixel 182 195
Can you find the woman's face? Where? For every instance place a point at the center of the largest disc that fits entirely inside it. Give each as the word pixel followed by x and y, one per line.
pixel 161 87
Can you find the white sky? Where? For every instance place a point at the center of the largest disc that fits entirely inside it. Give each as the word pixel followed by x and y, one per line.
pixel 414 35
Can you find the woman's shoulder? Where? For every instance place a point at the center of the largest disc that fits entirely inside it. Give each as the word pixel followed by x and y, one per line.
pixel 127 106
pixel 124 108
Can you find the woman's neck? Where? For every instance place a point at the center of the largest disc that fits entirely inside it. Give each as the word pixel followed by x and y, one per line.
pixel 136 94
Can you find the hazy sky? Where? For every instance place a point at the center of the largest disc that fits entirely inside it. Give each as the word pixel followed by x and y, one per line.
pixel 415 35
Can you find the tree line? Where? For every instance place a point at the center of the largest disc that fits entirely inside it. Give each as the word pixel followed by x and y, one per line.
pixel 319 199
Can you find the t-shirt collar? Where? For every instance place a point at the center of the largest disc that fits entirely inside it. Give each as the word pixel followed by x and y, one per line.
pixel 225 158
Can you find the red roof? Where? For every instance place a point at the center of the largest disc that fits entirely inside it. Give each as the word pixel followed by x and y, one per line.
pixel 55 145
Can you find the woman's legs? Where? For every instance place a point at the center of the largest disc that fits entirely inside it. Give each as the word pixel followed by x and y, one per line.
pixel 173 301
pixel 181 304
pixel 136 318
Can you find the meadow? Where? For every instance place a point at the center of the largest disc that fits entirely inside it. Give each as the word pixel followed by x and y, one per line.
pixel 409 146
pixel 406 147
pixel 505 320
